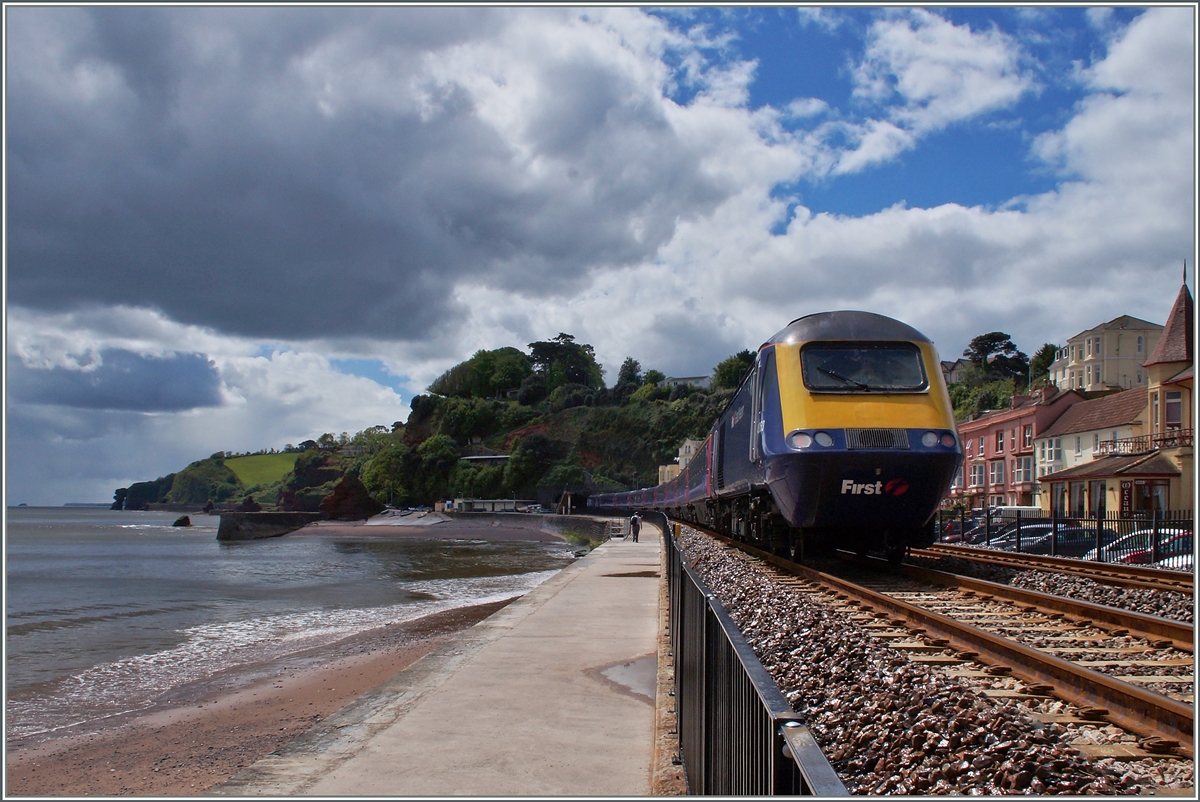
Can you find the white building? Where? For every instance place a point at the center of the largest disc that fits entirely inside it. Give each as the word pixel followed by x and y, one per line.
pixel 1107 357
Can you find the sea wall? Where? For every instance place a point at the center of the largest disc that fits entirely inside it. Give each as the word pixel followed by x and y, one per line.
pixel 258 525
pixel 593 528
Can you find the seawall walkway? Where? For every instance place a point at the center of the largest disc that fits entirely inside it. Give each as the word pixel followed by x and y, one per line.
pixel 553 695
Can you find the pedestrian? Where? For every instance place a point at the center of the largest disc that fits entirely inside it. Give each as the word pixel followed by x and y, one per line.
pixel 635 526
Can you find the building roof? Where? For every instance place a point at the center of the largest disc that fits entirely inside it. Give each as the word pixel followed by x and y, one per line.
pixel 1175 344
pixel 1154 464
pixel 1117 409
pixel 1122 322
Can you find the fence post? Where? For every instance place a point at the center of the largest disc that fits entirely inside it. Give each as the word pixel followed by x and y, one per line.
pixel 1154 536
pixel 1018 530
pixel 962 524
pixel 987 525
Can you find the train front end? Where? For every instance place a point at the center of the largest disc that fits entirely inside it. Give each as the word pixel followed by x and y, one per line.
pixel 865 445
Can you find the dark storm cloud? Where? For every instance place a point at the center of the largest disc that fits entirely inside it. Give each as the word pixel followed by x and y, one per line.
pixel 300 172
pixel 123 381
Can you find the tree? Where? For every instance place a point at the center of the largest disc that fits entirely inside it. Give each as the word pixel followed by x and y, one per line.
pixel 996 357
pixel 729 372
pixel 630 372
pixel 563 361
pixel 1039 366
pixel 532 457
pixel 653 377
pixel 383 476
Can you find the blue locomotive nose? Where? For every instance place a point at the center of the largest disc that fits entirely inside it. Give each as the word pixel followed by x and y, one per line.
pixel 867 489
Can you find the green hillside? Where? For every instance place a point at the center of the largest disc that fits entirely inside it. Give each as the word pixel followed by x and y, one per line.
pixel 262 469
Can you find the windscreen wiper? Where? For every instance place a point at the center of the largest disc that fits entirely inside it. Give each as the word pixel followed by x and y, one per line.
pixel 842 378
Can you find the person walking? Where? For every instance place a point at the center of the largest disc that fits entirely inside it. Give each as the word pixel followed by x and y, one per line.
pixel 635 526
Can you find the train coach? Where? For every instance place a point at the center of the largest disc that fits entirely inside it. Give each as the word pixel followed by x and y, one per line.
pixel 841 436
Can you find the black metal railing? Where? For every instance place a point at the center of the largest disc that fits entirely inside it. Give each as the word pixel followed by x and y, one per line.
pixel 1172 438
pixel 737 733
pixel 1163 538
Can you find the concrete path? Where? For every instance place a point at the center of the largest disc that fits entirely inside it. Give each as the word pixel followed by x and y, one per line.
pixel 553 695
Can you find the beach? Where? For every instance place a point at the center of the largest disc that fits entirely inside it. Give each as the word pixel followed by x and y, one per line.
pixel 203 732
pixel 209 733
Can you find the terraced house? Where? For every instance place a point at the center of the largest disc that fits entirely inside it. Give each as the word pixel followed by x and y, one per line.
pixel 1131 451
pixel 999 458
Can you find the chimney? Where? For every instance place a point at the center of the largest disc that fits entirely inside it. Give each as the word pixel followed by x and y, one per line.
pixel 1018 400
pixel 1048 392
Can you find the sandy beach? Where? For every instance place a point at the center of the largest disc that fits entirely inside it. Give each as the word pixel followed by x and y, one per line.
pixel 205 734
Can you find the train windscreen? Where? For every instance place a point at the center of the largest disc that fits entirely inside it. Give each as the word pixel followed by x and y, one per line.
pixel 863 367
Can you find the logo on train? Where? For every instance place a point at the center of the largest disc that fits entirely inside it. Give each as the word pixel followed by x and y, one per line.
pixel 893 487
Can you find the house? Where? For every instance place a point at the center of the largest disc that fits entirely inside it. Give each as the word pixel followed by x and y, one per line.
pixel 1080 436
pixel 953 371
pixel 703 382
pixel 1151 468
pixel 687 451
pixel 1109 356
pixel 999 461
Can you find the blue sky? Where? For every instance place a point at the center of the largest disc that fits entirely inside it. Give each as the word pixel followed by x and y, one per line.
pixel 232 228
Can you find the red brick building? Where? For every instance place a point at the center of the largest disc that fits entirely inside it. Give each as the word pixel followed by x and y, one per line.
pixel 999 461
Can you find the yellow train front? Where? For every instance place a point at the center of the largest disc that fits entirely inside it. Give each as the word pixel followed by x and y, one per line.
pixel 857 437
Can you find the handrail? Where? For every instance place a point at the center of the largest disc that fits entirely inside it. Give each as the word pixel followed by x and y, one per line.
pixel 736 730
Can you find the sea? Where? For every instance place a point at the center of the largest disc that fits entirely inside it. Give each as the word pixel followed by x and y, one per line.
pixel 108 613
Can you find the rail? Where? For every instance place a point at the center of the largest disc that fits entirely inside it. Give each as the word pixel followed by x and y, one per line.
pixel 737 733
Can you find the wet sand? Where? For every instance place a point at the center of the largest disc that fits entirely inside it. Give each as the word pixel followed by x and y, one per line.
pixel 206 733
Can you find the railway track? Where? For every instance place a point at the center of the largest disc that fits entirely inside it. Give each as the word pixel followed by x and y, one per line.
pixel 1107 665
pixel 1129 576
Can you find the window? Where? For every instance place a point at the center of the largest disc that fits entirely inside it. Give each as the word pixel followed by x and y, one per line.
pixel 1058 498
pixel 1089 347
pixel 863 367
pixel 1095 442
pixel 1029 436
pixel 1078 445
pixel 1096 500
pixel 981 445
pixel 1174 410
pixel 997 472
pixel 1022 469
pixel 977 475
pixel 1139 351
pixel 999 441
pixel 1097 374
pixel 969 444
pixel 1154 412
pixel 958 478
pixel 1139 374
pixel 1078 499
pixel 1098 349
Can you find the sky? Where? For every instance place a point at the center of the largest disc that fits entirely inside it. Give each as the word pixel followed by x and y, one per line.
pixel 235 228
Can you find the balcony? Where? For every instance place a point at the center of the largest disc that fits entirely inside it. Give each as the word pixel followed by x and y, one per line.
pixel 1174 438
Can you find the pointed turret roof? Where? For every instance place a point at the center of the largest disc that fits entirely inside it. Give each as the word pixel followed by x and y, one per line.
pixel 1175 344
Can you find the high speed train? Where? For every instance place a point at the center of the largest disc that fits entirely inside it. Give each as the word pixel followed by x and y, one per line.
pixel 842 435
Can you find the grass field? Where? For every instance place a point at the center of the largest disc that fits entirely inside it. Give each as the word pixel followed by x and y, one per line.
pixel 261 469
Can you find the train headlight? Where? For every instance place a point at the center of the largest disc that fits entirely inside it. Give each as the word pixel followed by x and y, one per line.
pixel 948 440
pixel 800 439
pixel 823 439
pixel 929 439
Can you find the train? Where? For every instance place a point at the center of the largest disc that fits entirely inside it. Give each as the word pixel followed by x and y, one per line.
pixel 841 436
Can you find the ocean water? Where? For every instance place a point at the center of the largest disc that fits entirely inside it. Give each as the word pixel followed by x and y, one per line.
pixel 109 612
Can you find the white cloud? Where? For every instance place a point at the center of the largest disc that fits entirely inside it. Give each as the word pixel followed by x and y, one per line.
pixel 929 73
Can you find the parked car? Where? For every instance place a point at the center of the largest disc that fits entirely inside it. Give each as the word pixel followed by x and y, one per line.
pixel 1135 548
pixel 1072 541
